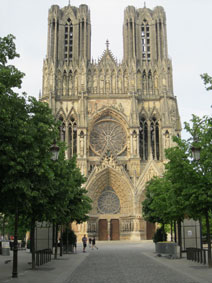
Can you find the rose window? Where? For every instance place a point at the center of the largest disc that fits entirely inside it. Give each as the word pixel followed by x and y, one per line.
pixel 108 202
pixel 108 134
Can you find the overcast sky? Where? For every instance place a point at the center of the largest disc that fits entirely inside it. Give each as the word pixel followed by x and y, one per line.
pixel 189 28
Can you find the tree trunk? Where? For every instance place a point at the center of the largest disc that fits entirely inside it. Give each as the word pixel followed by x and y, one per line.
pixel 208 239
pixel 61 241
pixel 171 232
pixel 53 236
pixel 179 236
pixel 66 239
pixel 15 246
pixel 175 232
pixel 3 227
pixel 32 236
pixel 56 241
pixel 200 226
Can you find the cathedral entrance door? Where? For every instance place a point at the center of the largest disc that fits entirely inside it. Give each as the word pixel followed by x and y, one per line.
pixel 114 229
pixel 103 232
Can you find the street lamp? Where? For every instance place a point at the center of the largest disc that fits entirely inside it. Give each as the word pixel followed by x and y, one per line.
pixel 196 152
pixel 55 151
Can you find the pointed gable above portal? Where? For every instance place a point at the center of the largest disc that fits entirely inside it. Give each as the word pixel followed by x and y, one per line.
pixel 107 57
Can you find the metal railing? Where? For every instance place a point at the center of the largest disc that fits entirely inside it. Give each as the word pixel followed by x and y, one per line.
pixel 43 256
pixel 198 255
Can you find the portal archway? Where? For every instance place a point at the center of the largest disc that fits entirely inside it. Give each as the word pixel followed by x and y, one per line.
pixel 113 201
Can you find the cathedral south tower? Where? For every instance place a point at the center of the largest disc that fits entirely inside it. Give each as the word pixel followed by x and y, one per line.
pixel 117 118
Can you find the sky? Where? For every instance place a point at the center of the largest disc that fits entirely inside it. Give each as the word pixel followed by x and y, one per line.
pixel 189 25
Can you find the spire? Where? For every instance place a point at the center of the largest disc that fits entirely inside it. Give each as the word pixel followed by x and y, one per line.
pixel 69 3
pixel 144 4
pixel 107 44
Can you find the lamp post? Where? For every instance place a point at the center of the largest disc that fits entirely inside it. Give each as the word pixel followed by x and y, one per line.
pixel 196 153
pixel 54 149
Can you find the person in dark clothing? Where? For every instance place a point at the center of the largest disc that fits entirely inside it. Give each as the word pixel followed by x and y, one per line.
pixel 84 241
pixel 90 242
pixel 94 243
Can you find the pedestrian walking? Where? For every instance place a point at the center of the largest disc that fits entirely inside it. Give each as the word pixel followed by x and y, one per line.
pixel 94 243
pixel 75 244
pixel 84 241
pixel 90 242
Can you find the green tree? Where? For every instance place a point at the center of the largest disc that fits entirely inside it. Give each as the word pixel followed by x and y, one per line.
pixel 12 120
pixel 207 81
pixel 191 179
pixel 200 194
pixel 156 204
pixel 73 204
pixel 10 76
pixel 27 130
pixel 179 171
pixel 155 207
pixel 27 174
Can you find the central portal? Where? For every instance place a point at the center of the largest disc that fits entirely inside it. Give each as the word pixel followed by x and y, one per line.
pixel 113 228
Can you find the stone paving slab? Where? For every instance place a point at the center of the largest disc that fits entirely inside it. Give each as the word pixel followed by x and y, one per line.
pixel 118 261
pixel 55 271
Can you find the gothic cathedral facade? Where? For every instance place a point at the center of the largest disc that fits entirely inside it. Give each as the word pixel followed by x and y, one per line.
pixel 117 117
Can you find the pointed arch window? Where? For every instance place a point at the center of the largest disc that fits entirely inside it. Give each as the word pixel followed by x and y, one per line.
pixel 143 139
pixel 145 41
pixel 72 136
pixel 68 41
pixel 154 136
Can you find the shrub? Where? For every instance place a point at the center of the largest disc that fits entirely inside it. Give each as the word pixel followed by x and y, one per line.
pixel 160 235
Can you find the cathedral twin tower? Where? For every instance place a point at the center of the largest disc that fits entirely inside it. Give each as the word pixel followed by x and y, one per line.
pixel 116 117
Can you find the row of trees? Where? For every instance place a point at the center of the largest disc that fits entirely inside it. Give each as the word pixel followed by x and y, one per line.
pixel 33 187
pixel 185 189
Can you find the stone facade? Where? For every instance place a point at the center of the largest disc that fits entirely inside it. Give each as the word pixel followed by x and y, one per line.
pixel 116 116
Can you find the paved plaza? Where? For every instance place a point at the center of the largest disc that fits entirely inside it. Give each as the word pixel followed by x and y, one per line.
pixel 114 262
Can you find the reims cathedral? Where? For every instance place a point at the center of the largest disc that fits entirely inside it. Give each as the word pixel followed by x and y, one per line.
pixel 116 117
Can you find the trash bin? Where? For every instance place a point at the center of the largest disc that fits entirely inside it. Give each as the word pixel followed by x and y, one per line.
pixel 5 247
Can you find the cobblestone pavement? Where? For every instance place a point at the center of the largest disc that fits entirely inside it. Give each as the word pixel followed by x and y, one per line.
pixel 113 262
pixel 125 264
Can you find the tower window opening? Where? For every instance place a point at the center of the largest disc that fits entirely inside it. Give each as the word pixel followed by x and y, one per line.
pixel 68 42
pixel 143 139
pixel 145 41
pixel 154 134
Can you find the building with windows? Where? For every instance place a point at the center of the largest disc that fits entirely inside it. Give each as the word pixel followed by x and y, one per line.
pixel 116 117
